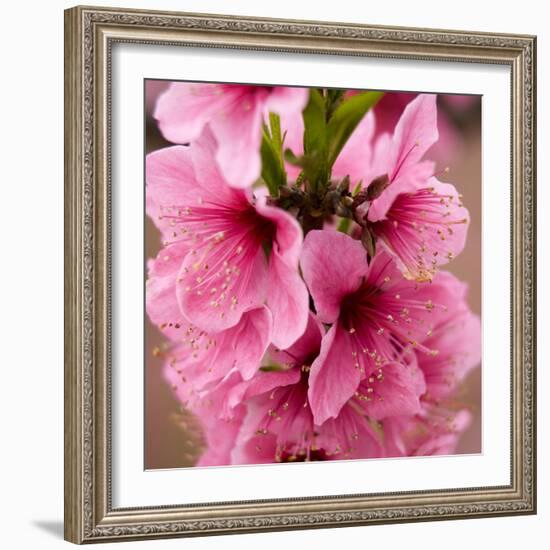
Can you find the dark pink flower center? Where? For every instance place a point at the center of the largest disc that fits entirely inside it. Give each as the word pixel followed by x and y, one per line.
pixel 382 319
pixel 247 96
pixel 312 455
pixel 224 238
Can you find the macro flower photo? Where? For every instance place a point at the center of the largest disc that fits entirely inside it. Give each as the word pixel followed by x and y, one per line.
pixel 313 276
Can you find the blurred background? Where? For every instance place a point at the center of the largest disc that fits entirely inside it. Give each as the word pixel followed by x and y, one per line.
pixel 172 438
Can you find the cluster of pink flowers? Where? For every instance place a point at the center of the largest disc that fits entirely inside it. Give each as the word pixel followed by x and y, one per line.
pixel 309 321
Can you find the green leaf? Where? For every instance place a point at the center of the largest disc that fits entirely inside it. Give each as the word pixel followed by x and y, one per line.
pixel 277 138
pixel 315 128
pixel 271 150
pixel 333 99
pixel 291 158
pixel 344 225
pixel 315 139
pixel 309 165
pixel 274 367
pixel 345 119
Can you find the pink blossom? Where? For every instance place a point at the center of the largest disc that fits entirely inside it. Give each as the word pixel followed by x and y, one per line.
pixel 219 430
pixel 235 115
pixel 269 418
pixel 389 109
pixel 457 339
pixel 279 425
pixel 378 317
pixel 199 357
pixel 425 229
pixel 356 154
pixel 220 436
pixel 435 431
pixel 438 432
pixel 219 237
pixel 418 219
pixel 367 363
pixel 221 406
pixel 195 360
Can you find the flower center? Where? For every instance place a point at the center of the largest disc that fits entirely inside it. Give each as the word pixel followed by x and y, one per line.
pixel 261 230
pixel 303 456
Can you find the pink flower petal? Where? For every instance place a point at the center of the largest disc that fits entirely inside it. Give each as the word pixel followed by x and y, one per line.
pixel 287 299
pixel 329 281
pixel 168 262
pixel 170 180
pixel 355 158
pixel 388 315
pixel 287 294
pixel 417 175
pixel 263 382
pixel 160 296
pixel 201 360
pixel 248 341
pixel 162 308
pixel 395 429
pixel 456 338
pixel 389 109
pixel 292 127
pixel 349 436
pixel 234 113
pixel 209 174
pixel 187 365
pixel 334 377
pixel 288 233
pixel 287 100
pixel 185 108
pixel 395 390
pixel 414 134
pixel 221 436
pixel 240 136
pixel 214 294
pixel 237 349
pixel 305 349
pixel 444 439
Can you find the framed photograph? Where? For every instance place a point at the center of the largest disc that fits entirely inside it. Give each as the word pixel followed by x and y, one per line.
pixel 300 274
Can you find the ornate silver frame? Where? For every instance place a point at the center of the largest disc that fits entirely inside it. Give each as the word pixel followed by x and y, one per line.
pixel 89 35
